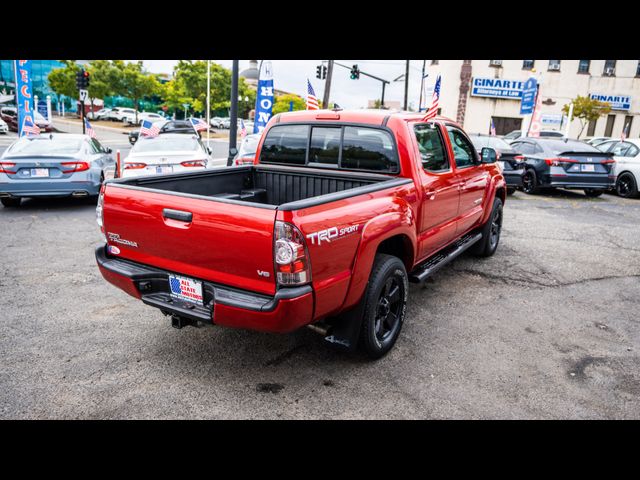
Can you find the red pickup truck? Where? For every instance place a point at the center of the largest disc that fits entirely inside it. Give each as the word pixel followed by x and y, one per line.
pixel 340 210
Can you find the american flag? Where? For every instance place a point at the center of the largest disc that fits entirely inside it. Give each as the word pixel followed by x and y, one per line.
pixel 243 128
pixel 29 128
pixel 433 109
pixel 625 132
pixel 493 128
pixel 312 101
pixel 198 124
pixel 88 129
pixel 148 129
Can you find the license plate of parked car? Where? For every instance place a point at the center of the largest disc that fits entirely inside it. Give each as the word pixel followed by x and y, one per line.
pixel 164 169
pixel 184 288
pixel 588 168
pixel 39 172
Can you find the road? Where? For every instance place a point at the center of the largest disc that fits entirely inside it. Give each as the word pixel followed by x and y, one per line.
pixel 547 328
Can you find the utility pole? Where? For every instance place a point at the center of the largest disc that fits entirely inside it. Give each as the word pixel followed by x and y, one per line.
pixel 424 63
pixel 208 100
pixel 360 72
pixel 233 126
pixel 327 85
pixel 406 86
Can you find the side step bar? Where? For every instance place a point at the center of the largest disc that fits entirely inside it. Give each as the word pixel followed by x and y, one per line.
pixel 433 264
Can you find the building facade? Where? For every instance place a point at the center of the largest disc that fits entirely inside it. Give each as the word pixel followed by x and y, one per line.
pixel 475 92
pixel 39 71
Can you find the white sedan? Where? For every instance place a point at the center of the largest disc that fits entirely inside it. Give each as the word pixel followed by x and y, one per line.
pixel 168 153
pixel 627 168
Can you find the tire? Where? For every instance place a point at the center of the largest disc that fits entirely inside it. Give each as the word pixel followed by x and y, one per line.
pixel 626 186
pixel 511 190
pixel 488 244
pixel 385 306
pixel 592 192
pixel 530 182
pixel 11 201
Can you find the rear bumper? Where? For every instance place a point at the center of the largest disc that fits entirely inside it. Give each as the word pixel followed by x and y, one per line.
pixel 288 310
pixel 581 181
pixel 513 178
pixel 49 188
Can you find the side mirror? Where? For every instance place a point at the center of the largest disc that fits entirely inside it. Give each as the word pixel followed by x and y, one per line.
pixel 209 151
pixel 488 155
pixel 108 150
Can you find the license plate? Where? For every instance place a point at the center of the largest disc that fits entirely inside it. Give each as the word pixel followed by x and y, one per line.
pixel 168 169
pixel 39 172
pixel 186 289
pixel 588 168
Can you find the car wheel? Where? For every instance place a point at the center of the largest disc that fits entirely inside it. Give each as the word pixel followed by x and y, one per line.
pixel 511 190
pixel 530 182
pixel 488 244
pixel 626 186
pixel 385 306
pixel 11 201
pixel 592 192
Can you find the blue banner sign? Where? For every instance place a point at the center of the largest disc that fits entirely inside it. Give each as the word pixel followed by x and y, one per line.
pixel 497 88
pixel 24 95
pixel 528 96
pixel 616 102
pixel 264 100
pixel 42 109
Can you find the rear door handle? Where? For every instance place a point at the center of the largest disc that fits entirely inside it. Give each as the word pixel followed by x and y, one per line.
pixel 177 215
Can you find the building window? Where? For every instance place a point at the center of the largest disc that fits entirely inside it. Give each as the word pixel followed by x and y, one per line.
pixel 638 69
pixel 591 129
pixel 626 126
pixel 608 130
pixel 495 63
pixel 609 68
pixel 583 66
pixel 528 64
pixel 434 62
pixel 554 65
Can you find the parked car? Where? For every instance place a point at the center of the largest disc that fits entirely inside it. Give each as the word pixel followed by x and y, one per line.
pixel 102 114
pixel 511 136
pixel 564 163
pixel 512 162
pixel 216 122
pixel 226 123
pixel 10 116
pixel 326 229
pixel 53 165
pixel 130 118
pixel 627 167
pixel 171 126
pixel 595 141
pixel 118 114
pixel 168 153
pixel 247 152
pixel 4 128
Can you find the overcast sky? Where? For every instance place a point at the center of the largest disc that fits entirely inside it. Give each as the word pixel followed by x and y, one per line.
pixel 291 76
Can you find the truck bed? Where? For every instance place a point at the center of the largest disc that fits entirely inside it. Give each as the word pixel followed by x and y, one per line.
pixel 281 187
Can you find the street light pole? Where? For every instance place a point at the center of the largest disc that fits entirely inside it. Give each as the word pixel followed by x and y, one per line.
pixel 327 85
pixel 424 63
pixel 233 126
pixel 406 86
pixel 208 102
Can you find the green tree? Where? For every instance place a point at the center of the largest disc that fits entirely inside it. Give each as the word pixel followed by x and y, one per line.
pixel 135 83
pixel 63 80
pixel 281 103
pixel 105 79
pixel 586 110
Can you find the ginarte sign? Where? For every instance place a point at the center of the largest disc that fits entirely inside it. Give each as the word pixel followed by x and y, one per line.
pixel 616 102
pixel 497 88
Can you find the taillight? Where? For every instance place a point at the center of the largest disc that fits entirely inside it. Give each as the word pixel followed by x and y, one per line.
pixel 556 162
pixel 519 158
pixel 75 166
pixel 5 165
pixel 290 255
pixel 134 166
pixel 100 211
pixel 194 163
pixel 244 161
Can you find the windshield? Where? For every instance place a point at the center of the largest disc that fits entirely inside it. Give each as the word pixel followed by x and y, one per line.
pixel 165 144
pixel 45 146
pixel 560 146
pixel 493 142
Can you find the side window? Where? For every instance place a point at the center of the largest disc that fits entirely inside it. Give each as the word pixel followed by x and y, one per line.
pixel 620 150
pixel 97 148
pixel 368 149
pixel 633 150
pixel 286 144
pixel 524 148
pixel 431 148
pixel 463 150
pixel 325 145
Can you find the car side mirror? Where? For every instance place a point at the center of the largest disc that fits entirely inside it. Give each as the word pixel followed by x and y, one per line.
pixel 488 155
pixel 108 150
pixel 209 151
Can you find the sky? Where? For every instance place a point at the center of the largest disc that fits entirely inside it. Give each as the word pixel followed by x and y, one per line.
pixel 291 76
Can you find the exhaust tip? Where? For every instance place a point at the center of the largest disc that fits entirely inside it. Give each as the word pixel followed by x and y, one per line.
pixel 80 194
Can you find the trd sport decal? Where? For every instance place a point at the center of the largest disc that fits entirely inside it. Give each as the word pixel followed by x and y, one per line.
pixel 331 234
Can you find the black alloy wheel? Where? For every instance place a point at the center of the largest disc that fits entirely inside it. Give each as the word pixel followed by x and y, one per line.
pixel 529 182
pixel 389 308
pixel 626 186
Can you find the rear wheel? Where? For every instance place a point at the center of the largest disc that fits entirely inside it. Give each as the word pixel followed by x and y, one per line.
pixel 488 244
pixel 385 305
pixel 592 192
pixel 11 201
pixel 626 186
pixel 511 190
pixel 530 182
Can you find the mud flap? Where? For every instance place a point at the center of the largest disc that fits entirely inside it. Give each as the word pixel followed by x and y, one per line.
pixel 345 330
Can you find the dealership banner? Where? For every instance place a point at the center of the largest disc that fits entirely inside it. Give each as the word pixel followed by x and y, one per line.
pixel 616 102
pixel 24 95
pixel 264 100
pixel 497 88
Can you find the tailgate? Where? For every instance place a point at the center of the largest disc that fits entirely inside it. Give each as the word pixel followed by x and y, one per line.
pixel 223 243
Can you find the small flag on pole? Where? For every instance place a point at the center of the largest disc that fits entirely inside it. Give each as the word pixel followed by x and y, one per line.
pixel 493 128
pixel 625 132
pixel 433 109
pixel 88 129
pixel 198 124
pixel 312 101
pixel 243 129
pixel 29 128
pixel 148 129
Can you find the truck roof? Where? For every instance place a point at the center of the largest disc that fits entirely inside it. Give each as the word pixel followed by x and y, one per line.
pixel 371 116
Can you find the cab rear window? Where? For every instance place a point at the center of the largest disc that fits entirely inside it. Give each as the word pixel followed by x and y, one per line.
pixel 347 147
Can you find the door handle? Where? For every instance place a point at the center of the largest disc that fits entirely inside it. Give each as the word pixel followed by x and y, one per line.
pixel 430 194
pixel 177 215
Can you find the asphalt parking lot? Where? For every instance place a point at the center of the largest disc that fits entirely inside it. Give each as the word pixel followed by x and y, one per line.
pixel 547 328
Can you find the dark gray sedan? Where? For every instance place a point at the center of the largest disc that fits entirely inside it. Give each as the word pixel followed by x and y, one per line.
pixel 510 160
pixel 53 165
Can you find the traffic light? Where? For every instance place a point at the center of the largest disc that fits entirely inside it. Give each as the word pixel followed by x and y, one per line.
pixel 87 78
pixel 82 79
pixel 319 71
pixel 355 72
pixel 324 72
